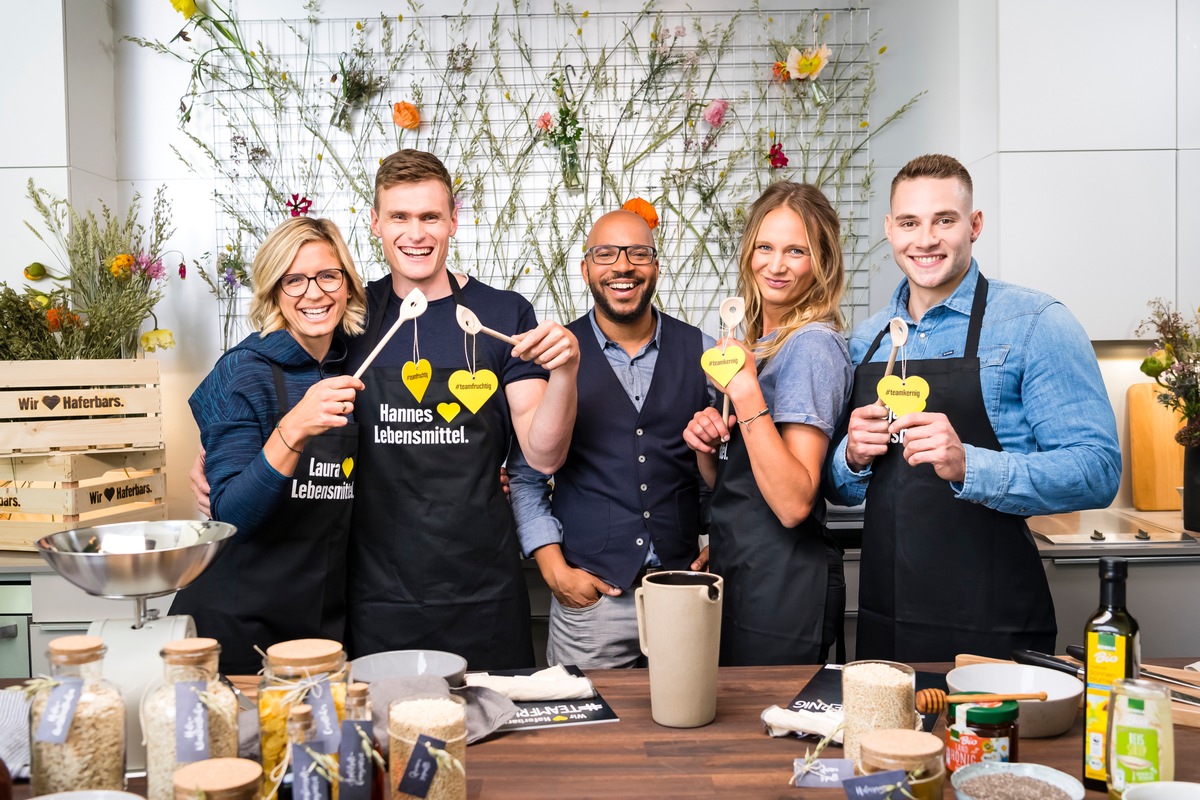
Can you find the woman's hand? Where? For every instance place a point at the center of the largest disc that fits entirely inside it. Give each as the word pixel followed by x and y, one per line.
pixel 325 405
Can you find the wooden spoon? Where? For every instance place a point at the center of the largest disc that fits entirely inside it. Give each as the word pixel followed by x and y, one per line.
pixel 471 324
pixel 931 700
pixel 898 329
pixel 413 306
pixel 733 311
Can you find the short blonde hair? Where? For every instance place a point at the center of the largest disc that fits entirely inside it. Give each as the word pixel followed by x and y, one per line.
pixel 275 257
pixel 822 300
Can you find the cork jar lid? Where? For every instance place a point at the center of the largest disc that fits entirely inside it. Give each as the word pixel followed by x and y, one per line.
pixel 216 775
pixel 301 712
pixel 76 649
pixel 190 651
pixel 897 747
pixel 314 654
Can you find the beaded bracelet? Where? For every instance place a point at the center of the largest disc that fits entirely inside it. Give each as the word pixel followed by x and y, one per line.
pixel 746 422
pixel 279 430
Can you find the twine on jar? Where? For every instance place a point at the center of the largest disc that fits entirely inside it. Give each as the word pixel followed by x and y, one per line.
pixel 297 690
pixel 324 764
pixel 443 757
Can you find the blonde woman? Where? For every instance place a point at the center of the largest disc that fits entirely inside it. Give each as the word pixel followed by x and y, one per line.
pixel 275 422
pixel 784 591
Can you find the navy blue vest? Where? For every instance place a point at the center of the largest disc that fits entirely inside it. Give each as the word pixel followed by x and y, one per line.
pixel 629 479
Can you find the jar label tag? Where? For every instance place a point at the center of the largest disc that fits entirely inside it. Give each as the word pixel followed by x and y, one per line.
pixel 353 762
pixel 307 782
pixel 876 785
pixel 60 710
pixel 822 772
pixel 327 733
pixel 191 722
pixel 421 768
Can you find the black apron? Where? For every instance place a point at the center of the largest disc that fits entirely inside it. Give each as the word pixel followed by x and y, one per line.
pixel 942 576
pixel 288 579
pixel 434 550
pixel 780 604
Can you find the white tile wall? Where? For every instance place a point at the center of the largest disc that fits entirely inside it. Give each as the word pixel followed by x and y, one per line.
pixel 20 245
pixel 1188 72
pixel 1187 288
pixel 33 93
pixel 91 121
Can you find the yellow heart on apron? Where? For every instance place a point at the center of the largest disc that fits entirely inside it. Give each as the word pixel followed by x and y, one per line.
pixel 903 396
pixel 473 390
pixel 448 410
pixel 721 367
pixel 347 467
pixel 416 377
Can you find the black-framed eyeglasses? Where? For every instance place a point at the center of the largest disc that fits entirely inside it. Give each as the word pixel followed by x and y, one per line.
pixel 637 254
pixel 328 280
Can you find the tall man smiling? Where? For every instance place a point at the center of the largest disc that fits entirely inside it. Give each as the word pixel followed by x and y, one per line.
pixel 1017 422
pixel 627 500
pixel 434 560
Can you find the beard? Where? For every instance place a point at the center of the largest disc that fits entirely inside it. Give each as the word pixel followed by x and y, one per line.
pixel 623 317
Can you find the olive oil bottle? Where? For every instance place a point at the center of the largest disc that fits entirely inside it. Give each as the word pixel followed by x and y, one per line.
pixel 1113 651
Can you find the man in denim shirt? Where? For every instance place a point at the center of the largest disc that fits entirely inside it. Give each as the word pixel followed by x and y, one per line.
pixel 1016 422
pixel 627 500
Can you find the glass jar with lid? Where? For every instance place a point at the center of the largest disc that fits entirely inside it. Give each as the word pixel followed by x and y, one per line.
pixel 1141 735
pixel 311 671
pixel 218 779
pixel 981 732
pixel 77 722
pixel 917 753
pixel 190 716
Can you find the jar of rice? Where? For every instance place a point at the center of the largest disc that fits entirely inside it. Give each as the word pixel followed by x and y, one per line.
pixel 439 769
pixel 77 725
pixel 190 716
pixel 876 694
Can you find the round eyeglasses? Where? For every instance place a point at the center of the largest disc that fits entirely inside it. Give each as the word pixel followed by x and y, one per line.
pixel 328 280
pixel 637 254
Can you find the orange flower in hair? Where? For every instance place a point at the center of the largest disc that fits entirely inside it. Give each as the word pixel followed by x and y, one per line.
pixel 406 116
pixel 644 210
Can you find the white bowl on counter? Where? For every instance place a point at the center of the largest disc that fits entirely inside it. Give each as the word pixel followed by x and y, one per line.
pixel 408 664
pixel 1163 790
pixel 1054 777
pixel 1037 718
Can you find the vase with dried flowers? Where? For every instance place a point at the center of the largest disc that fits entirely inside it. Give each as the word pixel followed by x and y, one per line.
pixel 1174 364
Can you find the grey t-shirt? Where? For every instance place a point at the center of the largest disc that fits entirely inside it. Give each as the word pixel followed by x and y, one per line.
pixel 809 380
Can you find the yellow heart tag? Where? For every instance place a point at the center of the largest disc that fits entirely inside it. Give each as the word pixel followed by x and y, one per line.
pixel 721 367
pixel 416 377
pixel 347 467
pixel 473 390
pixel 903 396
pixel 448 410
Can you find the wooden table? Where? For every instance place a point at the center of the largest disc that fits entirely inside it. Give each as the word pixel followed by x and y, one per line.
pixel 730 758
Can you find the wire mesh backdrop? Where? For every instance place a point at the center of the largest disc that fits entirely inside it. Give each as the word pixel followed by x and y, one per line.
pixel 308 116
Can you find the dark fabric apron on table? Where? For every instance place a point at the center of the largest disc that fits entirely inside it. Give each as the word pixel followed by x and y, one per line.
pixel 942 576
pixel 784 591
pixel 434 554
pixel 287 580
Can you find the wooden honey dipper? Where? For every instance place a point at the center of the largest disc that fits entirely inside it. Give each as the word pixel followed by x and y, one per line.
pixel 931 700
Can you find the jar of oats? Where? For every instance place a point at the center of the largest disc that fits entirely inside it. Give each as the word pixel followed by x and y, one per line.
pixel 77 725
pixel 876 694
pixel 917 753
pixel 442 719
pixel 218 779
pixel 190 716
pixel 311 671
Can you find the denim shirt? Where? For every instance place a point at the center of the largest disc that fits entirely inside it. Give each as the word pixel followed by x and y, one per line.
pixel 530 489
pixel 1043 394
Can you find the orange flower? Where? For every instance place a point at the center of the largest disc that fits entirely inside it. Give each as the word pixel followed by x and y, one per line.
pixel 406 116
pixel 54 319
pixel 644 210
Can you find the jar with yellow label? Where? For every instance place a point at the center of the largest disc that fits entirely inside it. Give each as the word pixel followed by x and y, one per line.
pixel 294 672
pixel 981 732
pixel 917 753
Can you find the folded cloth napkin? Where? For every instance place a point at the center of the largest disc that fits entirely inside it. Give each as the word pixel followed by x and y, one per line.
pixel 782 722
pixel 554 683
pixel 14 733
pixel 486 710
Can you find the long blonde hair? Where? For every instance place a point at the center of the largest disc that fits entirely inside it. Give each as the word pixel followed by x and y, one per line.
pixel 275 257
pixel 820 303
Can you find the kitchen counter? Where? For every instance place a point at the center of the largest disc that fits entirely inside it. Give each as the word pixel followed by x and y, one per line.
pixel 1185 544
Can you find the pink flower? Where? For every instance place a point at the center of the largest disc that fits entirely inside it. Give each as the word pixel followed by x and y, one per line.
pixel 714 112
pixel 299 205
pixel 776 156
pixel 182 270
pixel 544 122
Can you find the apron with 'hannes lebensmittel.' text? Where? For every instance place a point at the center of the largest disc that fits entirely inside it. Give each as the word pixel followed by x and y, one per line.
pixel 942 576
pixel 286 580
pixel 435 562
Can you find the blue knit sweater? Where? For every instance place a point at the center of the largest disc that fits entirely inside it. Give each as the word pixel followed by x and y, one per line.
pixel 236 408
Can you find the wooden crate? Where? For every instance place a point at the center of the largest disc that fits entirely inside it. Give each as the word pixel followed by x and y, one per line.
pixel 81 443
pixel 96 405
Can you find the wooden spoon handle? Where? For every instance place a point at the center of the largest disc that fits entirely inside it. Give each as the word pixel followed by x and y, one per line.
pixel 993 698
pixel 504 337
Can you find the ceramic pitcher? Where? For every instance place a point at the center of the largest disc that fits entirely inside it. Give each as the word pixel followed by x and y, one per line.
pixel 679 628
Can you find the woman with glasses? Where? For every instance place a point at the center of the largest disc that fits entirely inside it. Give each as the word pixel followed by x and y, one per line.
pixel 274 418
pixel 784 590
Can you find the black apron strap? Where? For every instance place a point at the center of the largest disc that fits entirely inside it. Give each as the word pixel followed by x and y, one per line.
pixel 978 307
pixel 282 405
pixel 875 344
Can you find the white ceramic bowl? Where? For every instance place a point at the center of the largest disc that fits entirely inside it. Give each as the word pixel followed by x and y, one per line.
pixel 92 794
pixel 409 663
pixel 1038 718
pixel 1062 780
pixel 1163 790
